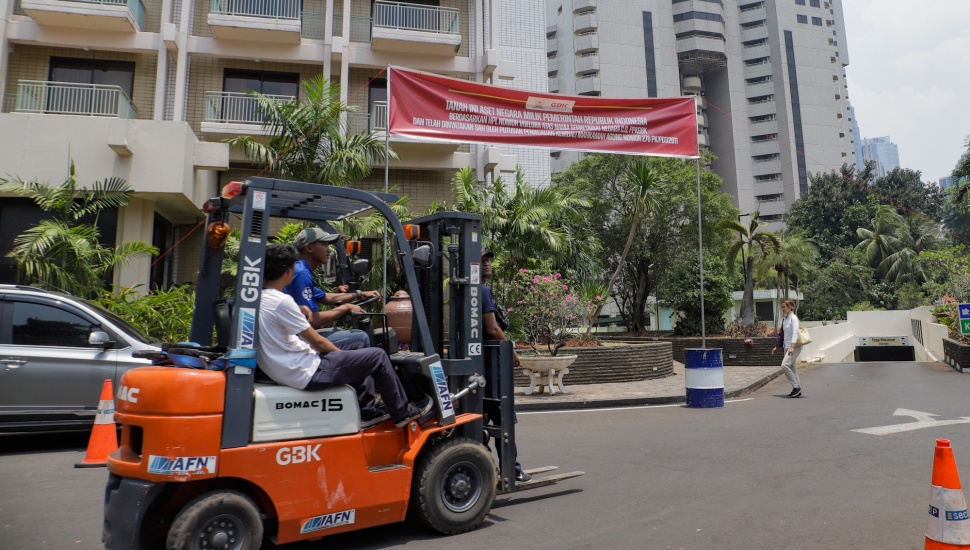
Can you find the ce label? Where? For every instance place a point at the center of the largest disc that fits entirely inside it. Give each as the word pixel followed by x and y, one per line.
pixel 475 349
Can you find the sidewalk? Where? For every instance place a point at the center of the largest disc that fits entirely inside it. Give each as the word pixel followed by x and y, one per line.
pixel 738 381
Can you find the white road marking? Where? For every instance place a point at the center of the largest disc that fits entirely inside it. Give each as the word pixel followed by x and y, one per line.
pixel 624 408
pixel 923 420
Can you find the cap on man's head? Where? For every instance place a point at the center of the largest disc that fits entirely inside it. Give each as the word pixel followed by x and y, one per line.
pixel 311 235
pixel 486 253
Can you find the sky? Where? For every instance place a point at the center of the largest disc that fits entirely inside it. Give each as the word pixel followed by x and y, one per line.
pixel 909 77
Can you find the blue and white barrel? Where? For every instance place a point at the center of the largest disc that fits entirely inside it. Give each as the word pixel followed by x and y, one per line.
pixel 704 376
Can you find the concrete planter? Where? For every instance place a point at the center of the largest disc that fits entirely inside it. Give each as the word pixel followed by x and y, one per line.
pixel 615 363
pixel 736 353
pixel 545 372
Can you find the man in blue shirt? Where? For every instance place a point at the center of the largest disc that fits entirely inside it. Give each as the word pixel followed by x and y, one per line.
pixel 494 331
pixel 313 244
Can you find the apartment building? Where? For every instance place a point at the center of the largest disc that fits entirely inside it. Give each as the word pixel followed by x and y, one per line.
pixel 769 76
pixel 147 90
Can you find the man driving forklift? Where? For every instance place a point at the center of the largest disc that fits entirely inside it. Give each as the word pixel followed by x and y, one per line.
pixel 292 353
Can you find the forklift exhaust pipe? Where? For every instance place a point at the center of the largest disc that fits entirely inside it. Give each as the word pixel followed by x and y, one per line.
pixel 476 381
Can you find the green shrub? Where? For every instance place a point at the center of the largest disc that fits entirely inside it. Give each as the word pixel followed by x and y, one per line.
pixel 163 315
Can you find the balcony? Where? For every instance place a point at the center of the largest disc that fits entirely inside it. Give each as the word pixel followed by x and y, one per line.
pixel 587 64
pixel 411 152
pixel 762 128
pixel 68 98
pixel 585 22
pixel 415 29
pixel 98 15
pixel 552 65
pixel 760 89
pixel 588 85
pixel 700 44
pixel 583 5
pixel 232 114
pixel 277 21
pixel 552 44
pixel 767 147
pixel 752 15
pixel 554 84
pixel 763 167
pixel 587 43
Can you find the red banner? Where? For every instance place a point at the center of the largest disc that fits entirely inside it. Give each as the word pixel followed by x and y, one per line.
pixel 428 106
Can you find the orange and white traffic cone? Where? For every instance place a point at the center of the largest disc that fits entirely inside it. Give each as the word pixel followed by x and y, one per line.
pixel 104 436
pixel 948 526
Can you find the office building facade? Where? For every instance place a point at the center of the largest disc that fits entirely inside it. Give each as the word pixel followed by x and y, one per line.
pixel 769 74
pixel 147 90
pixel 883 152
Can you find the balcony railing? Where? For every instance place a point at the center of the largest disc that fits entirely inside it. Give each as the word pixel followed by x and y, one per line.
pixel 275 9
pixel 368 123
pixel 314 25
pixel 236 108
pixel 415 17
pixel 67 98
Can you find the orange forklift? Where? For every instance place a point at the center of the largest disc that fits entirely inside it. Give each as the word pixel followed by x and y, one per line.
pixel 214 455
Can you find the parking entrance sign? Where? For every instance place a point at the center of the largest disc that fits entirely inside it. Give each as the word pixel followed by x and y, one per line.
pixel 964 311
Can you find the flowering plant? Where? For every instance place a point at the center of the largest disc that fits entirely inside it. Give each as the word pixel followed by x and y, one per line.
pixel 546 311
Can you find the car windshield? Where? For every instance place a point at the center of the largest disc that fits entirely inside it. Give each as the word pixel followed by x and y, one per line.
pixel 121 323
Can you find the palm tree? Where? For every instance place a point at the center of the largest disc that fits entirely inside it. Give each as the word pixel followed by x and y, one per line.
pixel 307 142
pixel 880 241
pixel 795 256
pixel 644 185
pixel 60 252
pixel 748 237
pixel 913 237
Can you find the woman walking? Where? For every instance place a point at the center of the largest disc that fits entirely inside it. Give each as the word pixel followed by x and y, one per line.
pixel 786 341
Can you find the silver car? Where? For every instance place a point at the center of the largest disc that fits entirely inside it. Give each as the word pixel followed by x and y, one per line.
pixel 56 351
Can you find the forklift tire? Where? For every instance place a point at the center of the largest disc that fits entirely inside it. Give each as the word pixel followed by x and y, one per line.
pixel 454 486
pixel 218 519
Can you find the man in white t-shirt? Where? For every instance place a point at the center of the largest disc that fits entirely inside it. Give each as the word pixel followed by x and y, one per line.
pixel 291 352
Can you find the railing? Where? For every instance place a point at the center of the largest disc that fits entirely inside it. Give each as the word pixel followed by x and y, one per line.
pixel 67 98
pixel 359 29
pixel 368 123
pixel 276 9
pixel 235 107
pixel 415 17
pixel 314 25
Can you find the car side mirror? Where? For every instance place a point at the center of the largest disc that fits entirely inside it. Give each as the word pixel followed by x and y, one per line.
pixel 100 338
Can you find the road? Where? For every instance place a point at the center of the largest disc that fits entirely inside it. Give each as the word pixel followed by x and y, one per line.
pixel 765 472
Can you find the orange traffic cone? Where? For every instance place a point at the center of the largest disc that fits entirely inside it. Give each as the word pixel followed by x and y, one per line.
pixel 104 437
pixel 948 526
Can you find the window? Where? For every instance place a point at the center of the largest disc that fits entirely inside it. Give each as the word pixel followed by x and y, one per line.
pixel 802 18
pixel 816 3
pixel 817 21
pixel 264 82
pixel 800 2
pixel 764 311
pixel 698 15
pixel 36 324
pixel 93 71
pixel 377 93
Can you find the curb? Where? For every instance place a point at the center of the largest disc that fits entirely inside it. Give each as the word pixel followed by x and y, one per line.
pixel 639 401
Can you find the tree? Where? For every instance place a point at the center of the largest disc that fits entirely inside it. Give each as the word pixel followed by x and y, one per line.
pixel 747 237
pixel 644 186
pixel 527 227
pixel 667 234
pixel 795 256
pixel 913 237
pixel 681 293
pixel 307 142
pixel 837 203
pixel 904 189
pixel 879 241
pixel 962 173
pixel 833 289
pixel 63 252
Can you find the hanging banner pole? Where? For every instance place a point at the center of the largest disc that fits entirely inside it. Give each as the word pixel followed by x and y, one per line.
pixel 387 173
pixel 700 250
